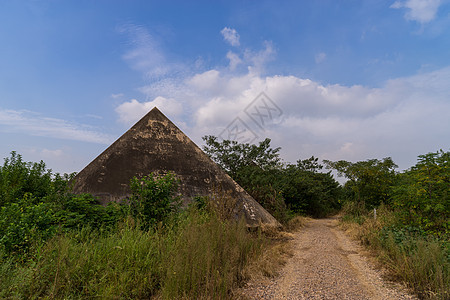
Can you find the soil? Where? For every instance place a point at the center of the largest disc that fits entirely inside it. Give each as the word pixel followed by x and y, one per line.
pixel 326 264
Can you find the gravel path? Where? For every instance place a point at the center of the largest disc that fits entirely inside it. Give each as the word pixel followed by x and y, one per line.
pixel 326 264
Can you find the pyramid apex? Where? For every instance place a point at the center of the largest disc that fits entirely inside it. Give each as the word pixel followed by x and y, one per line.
pixel 155 109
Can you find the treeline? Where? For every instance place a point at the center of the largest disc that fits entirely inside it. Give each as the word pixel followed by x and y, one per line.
pixel 420 195
pixel 283 189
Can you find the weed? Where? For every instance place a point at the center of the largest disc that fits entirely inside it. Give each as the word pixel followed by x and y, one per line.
pixel 420 260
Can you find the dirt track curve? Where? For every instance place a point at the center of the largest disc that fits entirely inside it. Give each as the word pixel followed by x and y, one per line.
pixel 326 264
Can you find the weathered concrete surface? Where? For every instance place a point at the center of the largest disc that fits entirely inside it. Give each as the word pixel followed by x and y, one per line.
pixel 155 144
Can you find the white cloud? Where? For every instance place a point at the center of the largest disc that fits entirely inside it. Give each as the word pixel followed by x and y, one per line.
pixel 403 118
pixel 231 36
pixel 132 111
pixel 234 60
pixel 207 81
pixel 422 11
pixel 320 57
pixel 116 96
pixel 32 123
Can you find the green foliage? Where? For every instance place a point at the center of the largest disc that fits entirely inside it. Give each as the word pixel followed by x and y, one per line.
pixel 233 156
pixel 152 199
pixel 24 223
pixel 411 231
pixel 306 189
pixel 84 210
pixel 18 178
pixel 54 244
pixel 281 190
pixel 422 194
pixel 254 167
pixel 36 204
pixel 369 181
pixel 412 255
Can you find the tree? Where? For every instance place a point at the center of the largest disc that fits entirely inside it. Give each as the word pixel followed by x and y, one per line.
pixel 370 181
pixel 306 189
pixel 233 156
pixel 422 194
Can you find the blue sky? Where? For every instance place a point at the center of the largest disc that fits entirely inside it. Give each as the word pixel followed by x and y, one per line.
pixel 353 79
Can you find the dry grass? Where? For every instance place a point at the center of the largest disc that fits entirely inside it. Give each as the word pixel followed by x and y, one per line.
pixel 272 258
pixel 296 223
pixel 223 204
pixel 277 250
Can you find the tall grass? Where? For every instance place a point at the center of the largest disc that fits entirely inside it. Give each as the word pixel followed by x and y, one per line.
pixel 419 260
pixel 210 260
pixel 199 257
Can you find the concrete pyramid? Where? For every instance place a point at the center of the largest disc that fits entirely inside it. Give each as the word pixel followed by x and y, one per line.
pixel 155 144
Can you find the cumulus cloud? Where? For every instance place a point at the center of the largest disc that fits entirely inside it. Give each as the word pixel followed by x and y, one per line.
pixel 35 124
pixel 403 118
pixel 231 36
pixel 131 111
pixel 422 11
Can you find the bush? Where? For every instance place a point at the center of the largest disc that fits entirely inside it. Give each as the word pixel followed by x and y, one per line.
pixel 153 199
pixel 18 178
pixel 35 204
pixel 25 223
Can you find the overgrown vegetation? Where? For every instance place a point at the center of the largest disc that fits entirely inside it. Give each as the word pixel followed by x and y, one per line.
pixel 54 244
pixel 410 228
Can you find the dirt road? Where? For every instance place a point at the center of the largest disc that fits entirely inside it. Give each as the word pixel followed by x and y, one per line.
pixel 326 264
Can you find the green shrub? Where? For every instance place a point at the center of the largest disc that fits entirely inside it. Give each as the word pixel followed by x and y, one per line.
pixel 35 204
pixel 25 223
pixel 153 199
pixel 18 178
pixel 84 210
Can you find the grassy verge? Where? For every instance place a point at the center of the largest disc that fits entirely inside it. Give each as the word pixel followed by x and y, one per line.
pixel 201 257
pixel 420 260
